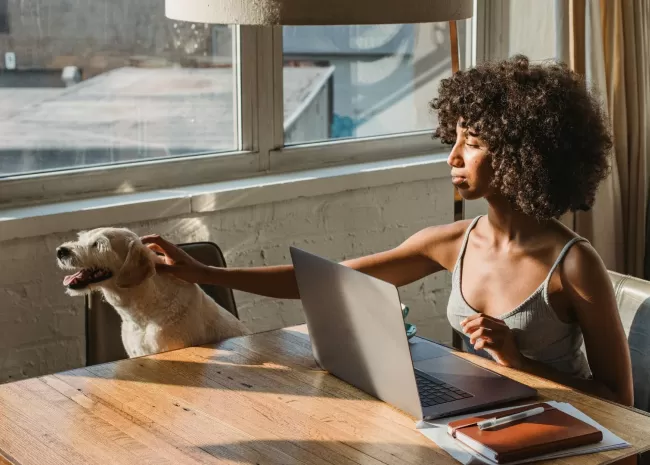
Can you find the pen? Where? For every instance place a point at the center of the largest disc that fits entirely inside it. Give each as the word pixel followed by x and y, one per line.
pixel 492 422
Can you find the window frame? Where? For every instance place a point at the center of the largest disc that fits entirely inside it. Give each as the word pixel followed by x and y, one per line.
pixel 260 150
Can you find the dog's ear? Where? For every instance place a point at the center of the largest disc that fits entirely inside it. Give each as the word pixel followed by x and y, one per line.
pixel 137 267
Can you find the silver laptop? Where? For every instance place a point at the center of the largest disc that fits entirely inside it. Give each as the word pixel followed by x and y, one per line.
pixel 357 334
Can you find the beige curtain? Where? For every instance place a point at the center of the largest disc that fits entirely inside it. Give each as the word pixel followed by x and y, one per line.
pixel 607 42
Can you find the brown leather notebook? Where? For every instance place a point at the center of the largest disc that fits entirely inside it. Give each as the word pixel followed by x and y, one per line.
pixel 550 431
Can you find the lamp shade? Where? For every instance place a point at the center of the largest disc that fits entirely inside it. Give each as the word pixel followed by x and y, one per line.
pixel 317 12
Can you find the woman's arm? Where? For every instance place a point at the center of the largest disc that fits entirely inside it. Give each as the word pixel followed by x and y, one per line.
pixel 589 288
pixel 414 259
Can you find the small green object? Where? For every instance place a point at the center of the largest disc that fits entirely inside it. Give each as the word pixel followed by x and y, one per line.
pixel 410 328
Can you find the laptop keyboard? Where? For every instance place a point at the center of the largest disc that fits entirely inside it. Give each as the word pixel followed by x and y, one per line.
pixel 434 392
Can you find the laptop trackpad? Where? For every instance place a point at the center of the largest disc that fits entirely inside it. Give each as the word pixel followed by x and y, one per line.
pixel 422 349
pixel 453 368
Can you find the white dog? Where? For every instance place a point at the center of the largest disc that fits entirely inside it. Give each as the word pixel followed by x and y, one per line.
pixel 159 312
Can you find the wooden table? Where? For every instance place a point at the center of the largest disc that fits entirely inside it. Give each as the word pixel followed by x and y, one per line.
pixel 253 400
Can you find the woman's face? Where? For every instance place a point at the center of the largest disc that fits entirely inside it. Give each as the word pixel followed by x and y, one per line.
pixel 471 169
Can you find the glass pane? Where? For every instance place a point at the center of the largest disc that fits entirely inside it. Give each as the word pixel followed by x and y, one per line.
pixel 97 82
pixel 362 81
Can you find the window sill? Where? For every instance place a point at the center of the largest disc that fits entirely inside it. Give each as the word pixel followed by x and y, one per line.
pixel 43 219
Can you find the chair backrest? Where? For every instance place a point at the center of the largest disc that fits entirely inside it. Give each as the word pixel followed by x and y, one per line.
pixel 103 324
pixel 633 301
pixel 210 254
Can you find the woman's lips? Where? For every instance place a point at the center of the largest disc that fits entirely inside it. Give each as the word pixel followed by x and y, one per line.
pixel 458 180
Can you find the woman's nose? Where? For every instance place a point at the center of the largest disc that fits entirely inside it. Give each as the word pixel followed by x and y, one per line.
pixel 455 158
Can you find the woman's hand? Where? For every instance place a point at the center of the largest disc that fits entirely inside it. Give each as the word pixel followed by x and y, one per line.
pixel 493 336
pixel 176 261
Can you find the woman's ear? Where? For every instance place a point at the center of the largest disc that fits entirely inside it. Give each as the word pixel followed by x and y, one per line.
pixel 138 266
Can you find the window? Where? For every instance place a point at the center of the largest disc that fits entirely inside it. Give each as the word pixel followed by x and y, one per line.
pixel 100 82
pixel 112 97
pixel 369 80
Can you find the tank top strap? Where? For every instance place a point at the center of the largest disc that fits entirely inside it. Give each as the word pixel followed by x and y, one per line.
pixel 463 246
pixel 560 257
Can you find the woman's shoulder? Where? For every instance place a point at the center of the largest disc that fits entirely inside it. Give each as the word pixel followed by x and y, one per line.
pixel 577 249
pixel 454 230
pixel 443 242
pixel 581 265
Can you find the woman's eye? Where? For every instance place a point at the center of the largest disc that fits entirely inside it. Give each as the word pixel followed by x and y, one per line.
pixel 473 146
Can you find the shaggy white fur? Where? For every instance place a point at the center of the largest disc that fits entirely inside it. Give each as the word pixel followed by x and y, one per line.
pixel 159 312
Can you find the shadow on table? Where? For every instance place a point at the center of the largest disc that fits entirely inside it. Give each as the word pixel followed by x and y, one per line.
pixel 263 362
pixel 326 452
pixel 219 376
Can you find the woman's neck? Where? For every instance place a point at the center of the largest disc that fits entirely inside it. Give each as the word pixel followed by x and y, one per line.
pixel 509 225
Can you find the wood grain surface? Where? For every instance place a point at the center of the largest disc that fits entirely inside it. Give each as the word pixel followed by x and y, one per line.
pixel 254 400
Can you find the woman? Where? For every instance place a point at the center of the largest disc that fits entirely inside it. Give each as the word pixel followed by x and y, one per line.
pixel 526 291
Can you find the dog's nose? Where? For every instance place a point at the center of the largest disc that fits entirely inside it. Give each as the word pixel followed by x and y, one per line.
pixel 62 252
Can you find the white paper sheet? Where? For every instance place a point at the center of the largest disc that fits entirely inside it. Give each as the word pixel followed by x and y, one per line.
pixel 436 430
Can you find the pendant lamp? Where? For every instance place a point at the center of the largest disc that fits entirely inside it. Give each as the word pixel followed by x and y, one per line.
pixel 321 12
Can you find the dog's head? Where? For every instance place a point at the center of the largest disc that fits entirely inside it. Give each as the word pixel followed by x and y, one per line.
pixel 105 257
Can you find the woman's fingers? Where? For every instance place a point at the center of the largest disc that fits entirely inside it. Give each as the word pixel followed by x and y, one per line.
pixel 481 333
pixel 494 336
pixel 152 239
pixel 485 332
pixel 480 322
pixel 173 253
pixel 481 344
pixel 162 255
pixel 163 244
pixel 177 262
pixel 156 248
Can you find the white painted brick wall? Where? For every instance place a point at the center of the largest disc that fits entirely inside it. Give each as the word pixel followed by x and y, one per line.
pixel 42 329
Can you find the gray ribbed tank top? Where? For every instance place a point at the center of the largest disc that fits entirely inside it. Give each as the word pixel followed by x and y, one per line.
pixel 539 333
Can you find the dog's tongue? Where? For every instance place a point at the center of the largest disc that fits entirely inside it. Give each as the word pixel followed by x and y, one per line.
pixel 72 278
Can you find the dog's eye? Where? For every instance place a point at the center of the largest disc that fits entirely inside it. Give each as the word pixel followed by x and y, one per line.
pixel 95 244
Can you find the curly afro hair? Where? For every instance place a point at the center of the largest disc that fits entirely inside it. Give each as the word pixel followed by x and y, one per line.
pixel 547 135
